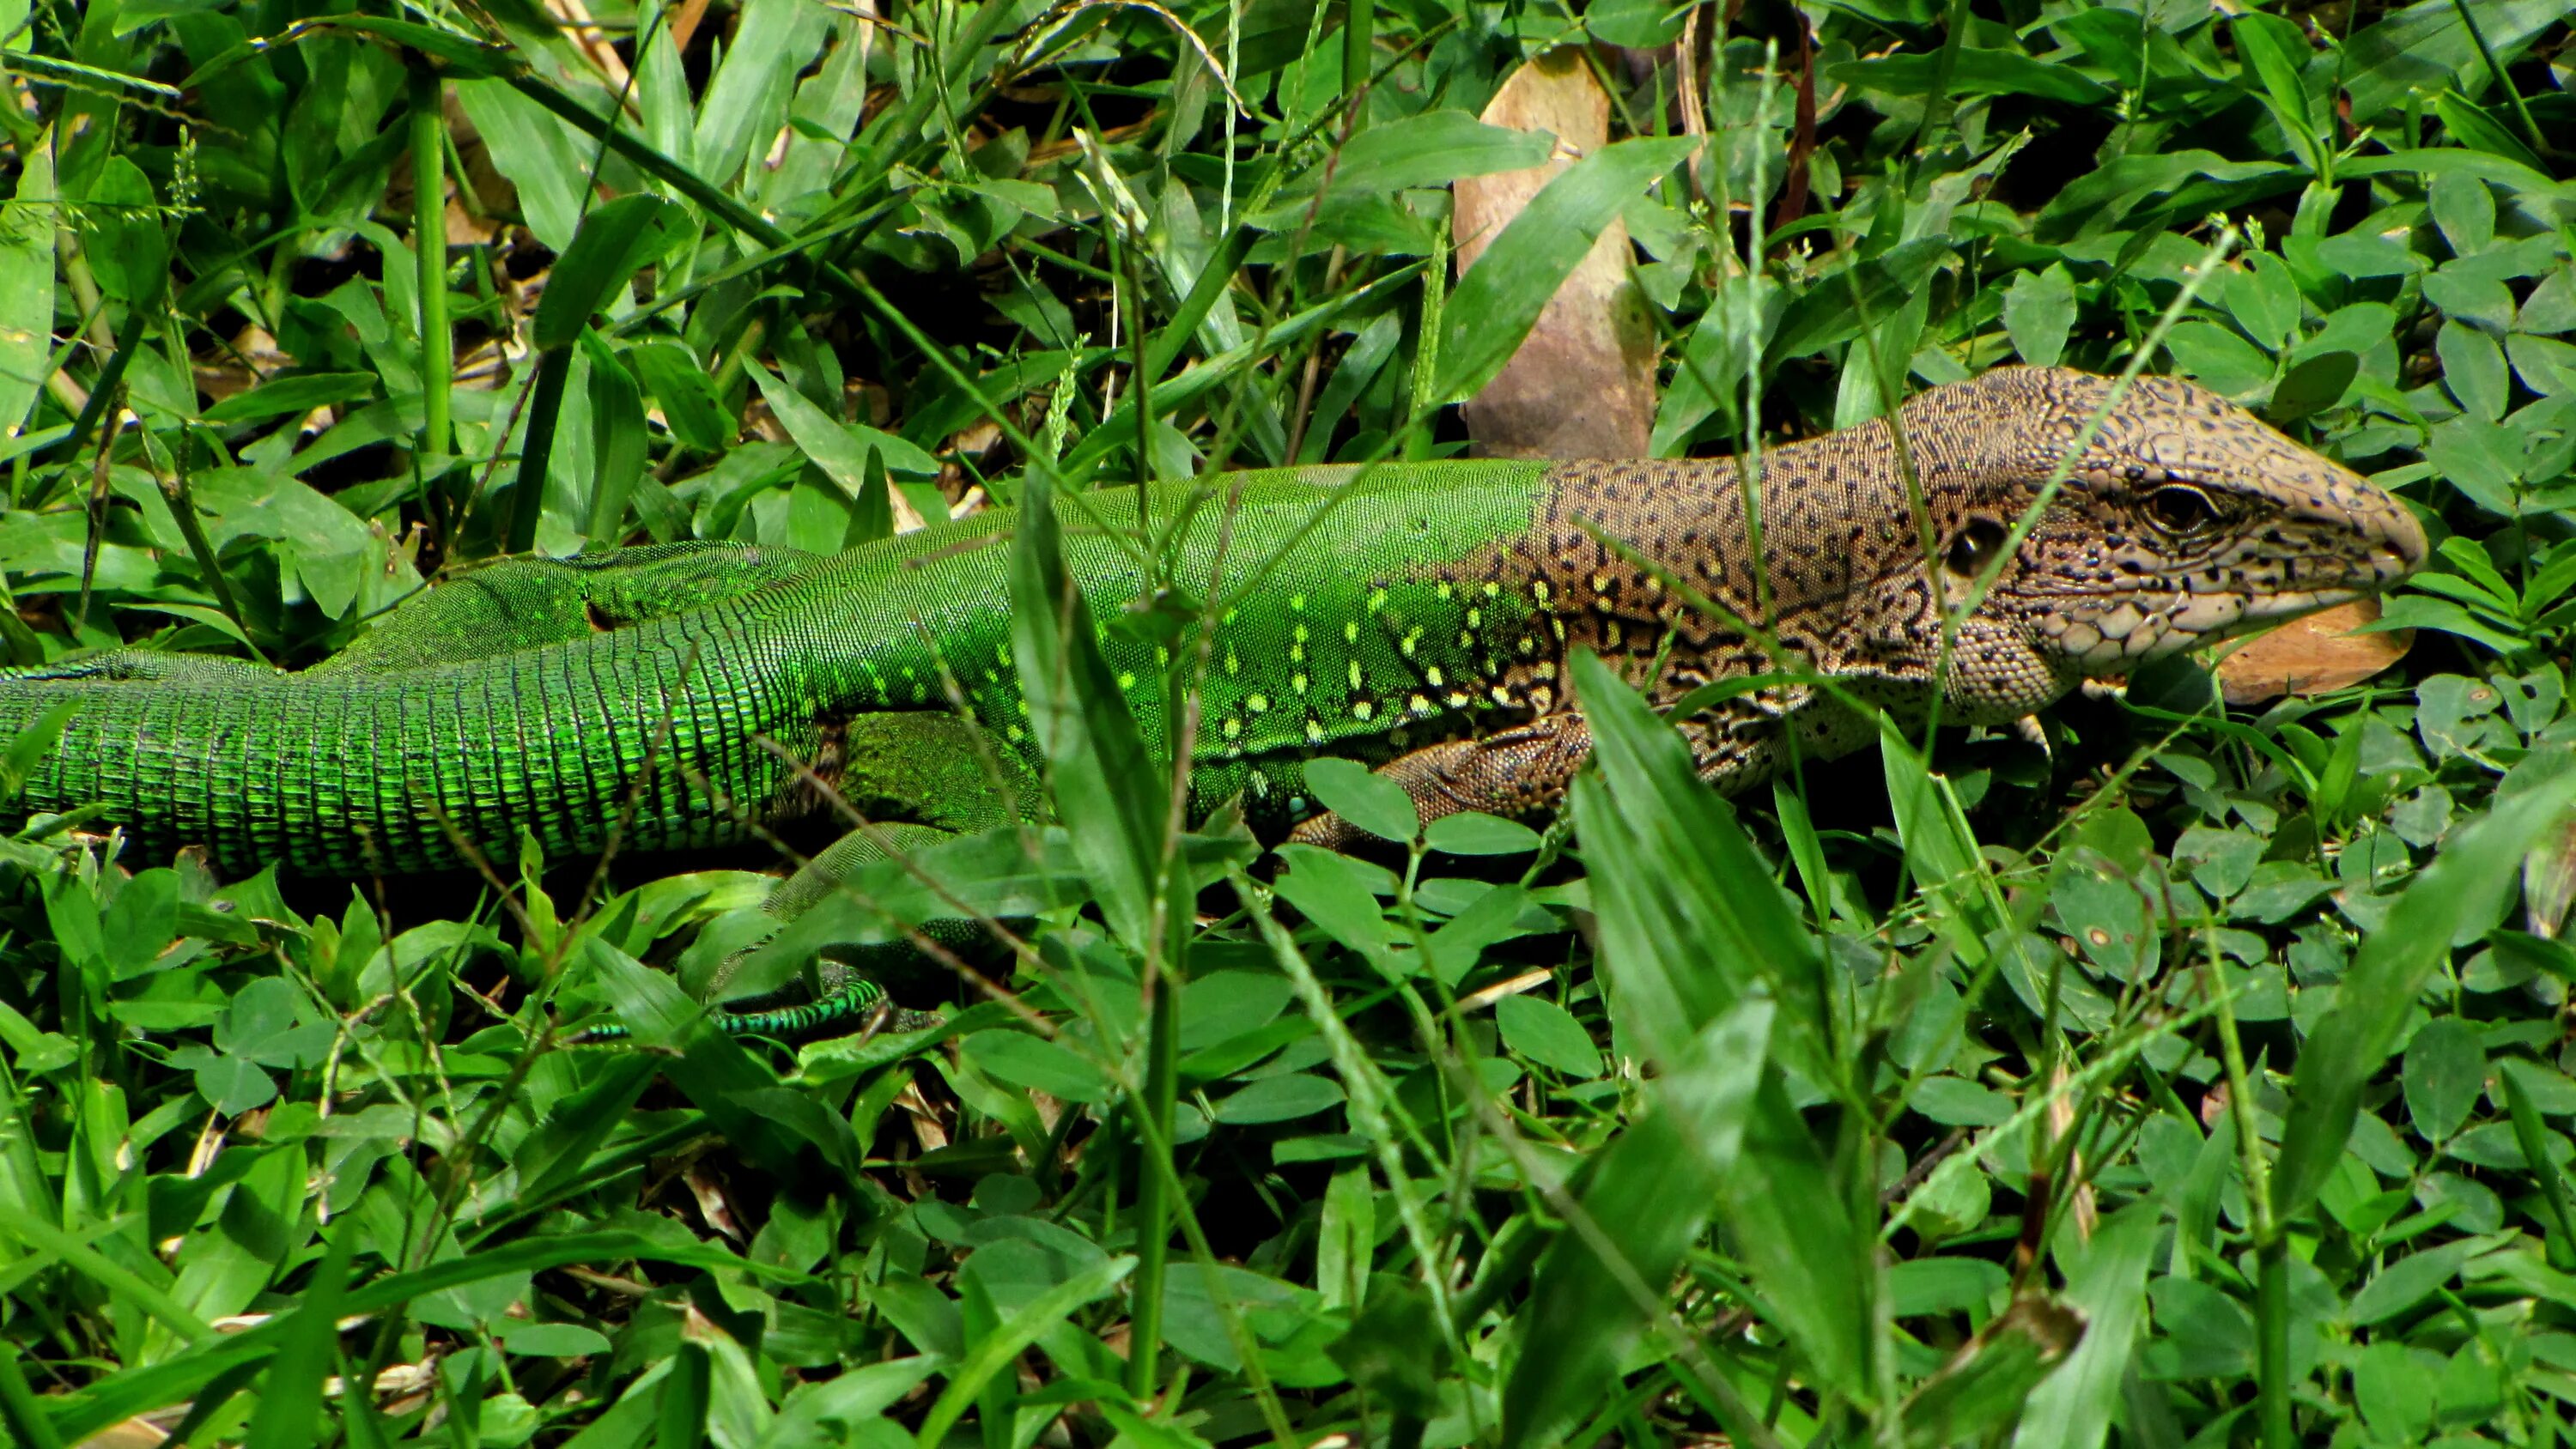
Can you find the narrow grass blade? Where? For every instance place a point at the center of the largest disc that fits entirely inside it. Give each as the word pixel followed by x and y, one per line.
pixel 1106 790
pixel 1499 299
pixel 990 1355
pixel 2072 1408
pixel 290 1403
pixel 615 239
pixel 1726 925
pixel 1651 1192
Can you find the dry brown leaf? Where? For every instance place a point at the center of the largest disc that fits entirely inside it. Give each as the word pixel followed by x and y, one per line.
pixel 2314 654
pixel 1583 383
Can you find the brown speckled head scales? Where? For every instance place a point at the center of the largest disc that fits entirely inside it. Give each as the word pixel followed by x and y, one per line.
pixel 2181 521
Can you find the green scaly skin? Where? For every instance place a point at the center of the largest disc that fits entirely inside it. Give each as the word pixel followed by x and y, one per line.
pixel 379 766
pixel 1418 616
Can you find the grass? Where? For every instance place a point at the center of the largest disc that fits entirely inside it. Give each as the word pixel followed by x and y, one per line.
pixel 2202 1079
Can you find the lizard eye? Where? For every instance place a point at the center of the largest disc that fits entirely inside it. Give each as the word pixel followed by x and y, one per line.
pixel 1974 546
pixel 2179 509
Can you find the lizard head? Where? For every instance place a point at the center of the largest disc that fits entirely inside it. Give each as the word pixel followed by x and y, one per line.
pixel 2181 521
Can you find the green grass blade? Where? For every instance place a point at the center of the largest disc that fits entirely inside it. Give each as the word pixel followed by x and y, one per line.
pixel 289 1415
pixel 1500 297
pixel 2072 1409
pixel 1651 1192
pixel 1106 788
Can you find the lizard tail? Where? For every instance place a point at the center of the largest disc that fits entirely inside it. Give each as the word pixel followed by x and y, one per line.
pixel 852 1007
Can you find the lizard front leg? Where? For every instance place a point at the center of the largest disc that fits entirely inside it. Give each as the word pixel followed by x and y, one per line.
pixel 1526 769
pixel 1510 773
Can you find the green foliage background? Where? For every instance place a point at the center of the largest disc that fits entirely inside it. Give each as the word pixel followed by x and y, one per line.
pixel 2201 1079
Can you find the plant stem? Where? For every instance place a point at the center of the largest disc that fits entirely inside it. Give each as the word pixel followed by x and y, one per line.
pixel 1356 49
pixel 1153 1191
pixel 2271 1251
pixel 2495 67
pixel 429 248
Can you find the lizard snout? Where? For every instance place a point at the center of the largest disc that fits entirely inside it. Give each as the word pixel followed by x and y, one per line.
pixel 2397 546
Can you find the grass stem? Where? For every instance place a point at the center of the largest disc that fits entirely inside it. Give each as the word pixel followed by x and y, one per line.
pixel 429 250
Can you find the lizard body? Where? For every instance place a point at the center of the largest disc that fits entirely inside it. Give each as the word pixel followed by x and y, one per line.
pixel 1417 616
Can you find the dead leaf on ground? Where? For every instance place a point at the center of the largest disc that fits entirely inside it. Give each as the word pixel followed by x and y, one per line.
pixel 2316 654
pixel 1583 383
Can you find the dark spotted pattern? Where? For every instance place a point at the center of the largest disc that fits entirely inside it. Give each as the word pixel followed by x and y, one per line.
pixel 2183 520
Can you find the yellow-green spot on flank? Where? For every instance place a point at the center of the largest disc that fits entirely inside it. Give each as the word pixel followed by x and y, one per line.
pixel 1233 727
pixel 1356 676
pixel 1013 733
pixel 1419 704
pixel 1459 699
pixel 1257 703
pixel 1493 589
pixel 1502 696
pixel 1314 730
pixel 1127 679
pixel 1363 710
pixel 1377 600
pixel 1432 677
pixel 1539 591
pixel 1298 632
pixel 1444 590
pixel 1297 601
pixel 1350 631
pixel 1233 662
pixel 1475 618
pixel 1297 681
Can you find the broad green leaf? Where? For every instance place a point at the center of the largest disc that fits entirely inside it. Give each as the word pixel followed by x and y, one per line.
pixel 1547 1034
pixel 122 234
pixel 618 443
pixel 1472 832
pixel 1037 1063
pixel 2444 1073
pixel 2039 311
pixel 746 100
pixel 710 1069
pixel 687 395
pixel 1499 299
pixel 1370 801
pixel 543 157
pixel 2348 1047
pixel 1280 1099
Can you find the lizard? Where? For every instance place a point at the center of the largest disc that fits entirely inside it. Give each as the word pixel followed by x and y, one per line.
pixel 1419 617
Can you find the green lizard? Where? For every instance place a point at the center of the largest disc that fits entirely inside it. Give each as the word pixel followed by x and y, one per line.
pixel 1419 617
